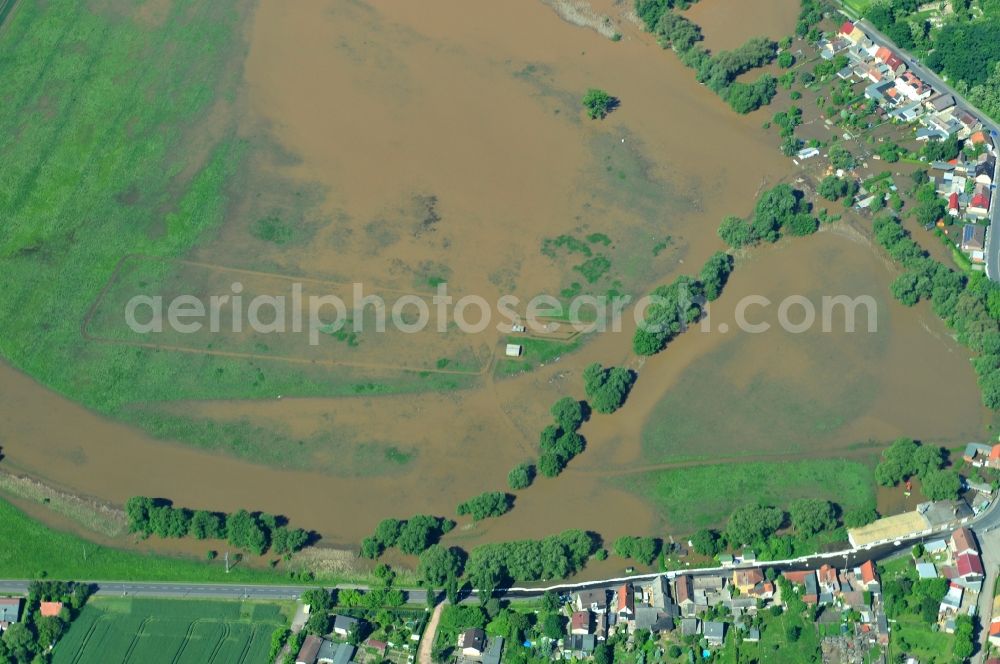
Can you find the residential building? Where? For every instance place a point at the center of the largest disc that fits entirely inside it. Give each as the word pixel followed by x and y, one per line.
pixel 980 204
pixel 952 600
pixel 684 592
pixel 579 645
pixel 976 453
pixel 963 541
pixel 995 634
pixel 715 633
pixel 309 650
pixel 869 576
pixel 941 102
pixel 342 625
pixel 626 601
pixel 10 612
pixel 651 618
pixel 973 241
pixel 926 571
pixel 970 567
pixel 495 649
pixel 690 627
pixel 335 653
pixel 580 622
pixel 592 600
pixel 472 642
pixel 50 609
pixel 747 579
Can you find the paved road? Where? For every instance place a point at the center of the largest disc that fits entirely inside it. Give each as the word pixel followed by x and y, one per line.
pixel 928 76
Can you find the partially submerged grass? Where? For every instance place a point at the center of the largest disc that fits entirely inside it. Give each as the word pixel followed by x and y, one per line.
pixel 32 550
pixel 704 496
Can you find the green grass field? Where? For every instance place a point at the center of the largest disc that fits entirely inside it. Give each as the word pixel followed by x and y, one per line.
pixel 33 550
pixel 703 496
pixel 109 631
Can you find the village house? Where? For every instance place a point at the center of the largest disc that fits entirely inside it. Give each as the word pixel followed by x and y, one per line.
pixel 579 645
pixel 494 650
pixel 342 625
pixel 941 102
pixel 806 579
pixel 592 600
pixel 684 594
pixel 962 542
pixel 979 206
pixel 869 577
pixel 970 568
pixel 10 612
pixel 715 633
pixel 580 622
pixel 335 653
pixel 973 242
pixel 952 600
pixel 625 602
pixel 50 609
pixel 309 650
pixel 911 86
pixel 690 627
pixel 746 579
pixel 472 642
pixel 976 453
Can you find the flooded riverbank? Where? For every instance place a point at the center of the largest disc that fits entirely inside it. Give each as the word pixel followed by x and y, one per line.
pixel 446 142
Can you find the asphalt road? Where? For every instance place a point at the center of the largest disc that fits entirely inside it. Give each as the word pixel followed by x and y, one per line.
pixel 928 76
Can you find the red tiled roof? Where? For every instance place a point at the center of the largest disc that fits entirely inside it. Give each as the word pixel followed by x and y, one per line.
pixel 626 598
pixel 894 62
pixel 995 453
pixel 580 620
pixel 846 28
pixel 969 563
pixel 868 572
pixel 953 201
pixel 981 201
pixel 51 608
pixel 962 540
pixel 797 577
pixel 883 54
pixel 978 137
pixel 994 630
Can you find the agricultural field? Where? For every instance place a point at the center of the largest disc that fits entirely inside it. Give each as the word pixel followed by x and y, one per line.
pixel 168 631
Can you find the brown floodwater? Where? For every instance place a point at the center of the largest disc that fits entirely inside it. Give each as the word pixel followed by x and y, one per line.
pixel 726 24
pixel 444 140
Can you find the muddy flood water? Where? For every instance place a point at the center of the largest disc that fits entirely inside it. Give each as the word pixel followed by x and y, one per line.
pixel 446 141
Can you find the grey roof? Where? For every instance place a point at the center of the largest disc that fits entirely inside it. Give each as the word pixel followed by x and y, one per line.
pixel 327 651
pixel 753 635
pixel 689 626
pixel 715 630
pixel 926 571
pixel 344 623
pixel 493 651
pixel 584 643
pixel 10 610
pixel 648 617
pixel 334 653
pixel 941 102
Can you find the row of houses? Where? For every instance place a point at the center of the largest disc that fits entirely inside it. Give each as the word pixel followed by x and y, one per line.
pixel 316 650
pixel 901 93
pixel 959 561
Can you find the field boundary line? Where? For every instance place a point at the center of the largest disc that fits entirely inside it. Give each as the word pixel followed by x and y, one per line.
pixel 119 267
